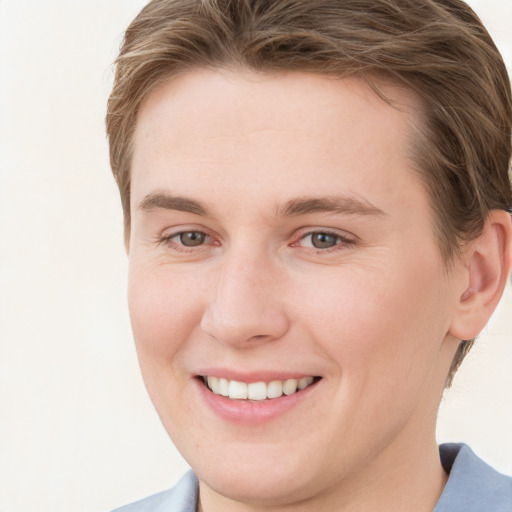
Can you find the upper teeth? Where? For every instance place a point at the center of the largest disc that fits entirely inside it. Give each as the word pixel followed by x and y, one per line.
pixel 256 390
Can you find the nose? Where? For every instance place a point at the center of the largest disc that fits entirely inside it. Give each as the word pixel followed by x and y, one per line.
pixel 246 307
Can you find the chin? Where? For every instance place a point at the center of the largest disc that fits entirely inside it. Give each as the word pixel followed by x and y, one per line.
pixel 261 475
pixel 276 485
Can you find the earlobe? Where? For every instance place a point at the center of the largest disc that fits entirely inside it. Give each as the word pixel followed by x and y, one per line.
pixel 488 261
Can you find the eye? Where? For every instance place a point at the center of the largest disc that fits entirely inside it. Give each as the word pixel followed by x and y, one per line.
pixel 191 238
pixel 184 240
pixel 324 240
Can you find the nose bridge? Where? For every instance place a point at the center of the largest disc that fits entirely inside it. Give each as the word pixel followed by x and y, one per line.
pixel 245 303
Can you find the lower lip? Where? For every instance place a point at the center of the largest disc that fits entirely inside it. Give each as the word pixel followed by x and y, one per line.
pixel 255 412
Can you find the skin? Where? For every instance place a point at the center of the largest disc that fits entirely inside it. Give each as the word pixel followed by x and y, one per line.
pixel 373 315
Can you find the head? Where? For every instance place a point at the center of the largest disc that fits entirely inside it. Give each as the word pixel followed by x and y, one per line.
pixel 201 83
pixel 438 50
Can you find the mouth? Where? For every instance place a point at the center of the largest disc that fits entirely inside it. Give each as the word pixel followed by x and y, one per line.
pixel 256 391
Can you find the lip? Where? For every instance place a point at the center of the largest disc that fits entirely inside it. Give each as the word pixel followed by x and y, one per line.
pixel 253 412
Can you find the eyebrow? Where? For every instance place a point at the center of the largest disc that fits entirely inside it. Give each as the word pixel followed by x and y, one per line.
pixel 165 201
pixel 338 204
pixel 293 208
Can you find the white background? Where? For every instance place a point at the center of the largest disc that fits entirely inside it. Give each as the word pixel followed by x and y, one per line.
pixel 77 431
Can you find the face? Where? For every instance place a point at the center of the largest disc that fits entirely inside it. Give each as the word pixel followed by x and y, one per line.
pixel 282 253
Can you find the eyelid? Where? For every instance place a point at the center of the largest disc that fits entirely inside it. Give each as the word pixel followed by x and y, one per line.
pixel 310 230
pixel 345 239
pixel 166 237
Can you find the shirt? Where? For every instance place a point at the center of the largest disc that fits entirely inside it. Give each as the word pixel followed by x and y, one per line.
pixel 472 486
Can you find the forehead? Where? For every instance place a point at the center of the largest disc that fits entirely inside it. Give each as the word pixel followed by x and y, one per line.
pixel 273 135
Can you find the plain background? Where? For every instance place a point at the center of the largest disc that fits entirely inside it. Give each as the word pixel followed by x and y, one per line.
pixel 77 431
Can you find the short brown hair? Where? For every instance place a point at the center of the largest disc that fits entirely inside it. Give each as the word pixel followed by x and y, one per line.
pixel 438 49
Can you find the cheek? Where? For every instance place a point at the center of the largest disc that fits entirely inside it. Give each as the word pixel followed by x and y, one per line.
pixel 378 324
pixel 164 311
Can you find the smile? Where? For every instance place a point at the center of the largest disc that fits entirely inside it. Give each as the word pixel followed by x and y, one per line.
pixel 258 391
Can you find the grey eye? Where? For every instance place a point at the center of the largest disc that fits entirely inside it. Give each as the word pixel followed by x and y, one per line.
pixel 192 238
pixel 323 240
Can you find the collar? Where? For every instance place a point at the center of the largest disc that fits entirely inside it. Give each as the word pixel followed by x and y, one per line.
pixel 472 485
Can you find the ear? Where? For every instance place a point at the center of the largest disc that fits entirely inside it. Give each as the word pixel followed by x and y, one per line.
pixel 487 263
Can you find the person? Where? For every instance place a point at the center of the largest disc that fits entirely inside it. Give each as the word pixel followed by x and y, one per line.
pixel 317 216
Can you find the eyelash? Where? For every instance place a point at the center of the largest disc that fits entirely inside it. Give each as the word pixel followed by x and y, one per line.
pixel 180 247
pixel 342 242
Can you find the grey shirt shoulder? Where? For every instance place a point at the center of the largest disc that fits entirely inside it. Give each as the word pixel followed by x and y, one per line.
pixel 472 486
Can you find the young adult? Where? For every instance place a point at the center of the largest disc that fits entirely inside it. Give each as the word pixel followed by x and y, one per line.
pixel 317 199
